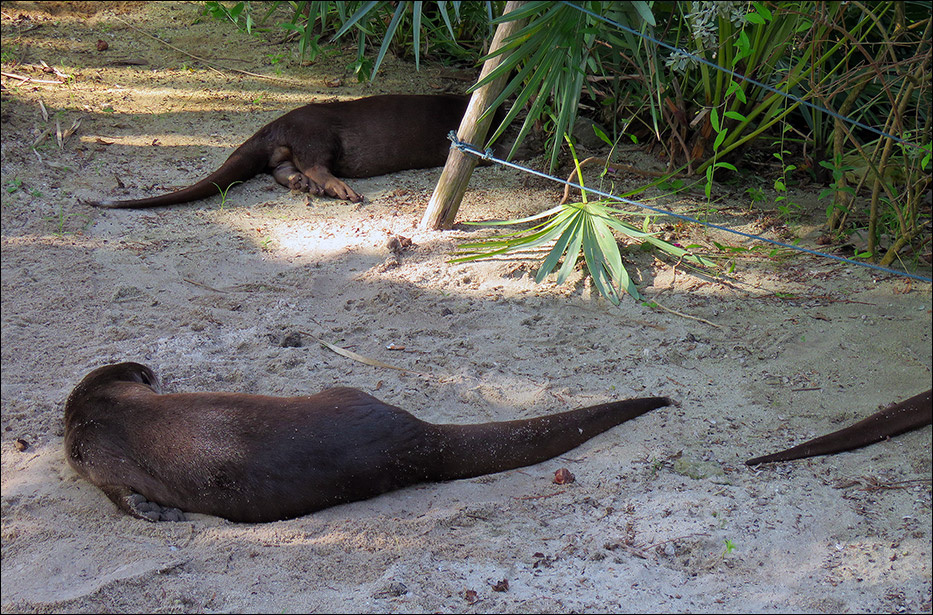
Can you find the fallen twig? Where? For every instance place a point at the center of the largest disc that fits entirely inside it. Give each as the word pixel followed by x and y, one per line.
pixel 30 79
pixel 358 357
pixel 681 314
pixel 210 288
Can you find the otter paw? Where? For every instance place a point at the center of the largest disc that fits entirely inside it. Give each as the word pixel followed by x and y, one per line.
pixel 311 186
pixel 340 190
pixel 299 182
pixel 150 511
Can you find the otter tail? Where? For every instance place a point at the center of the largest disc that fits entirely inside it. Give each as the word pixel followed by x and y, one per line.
pixel 529 441
pixel 243 164
pixel 908 415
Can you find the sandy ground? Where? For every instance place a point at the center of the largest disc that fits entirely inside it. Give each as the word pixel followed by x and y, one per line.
pixel 664 516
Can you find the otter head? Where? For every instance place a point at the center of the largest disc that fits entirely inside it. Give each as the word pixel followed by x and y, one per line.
pixel 102 377
pixel 123 372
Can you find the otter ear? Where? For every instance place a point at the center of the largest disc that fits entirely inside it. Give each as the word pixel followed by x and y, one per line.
pixel 147 376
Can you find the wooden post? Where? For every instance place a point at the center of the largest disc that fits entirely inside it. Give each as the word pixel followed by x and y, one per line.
pixel 442 209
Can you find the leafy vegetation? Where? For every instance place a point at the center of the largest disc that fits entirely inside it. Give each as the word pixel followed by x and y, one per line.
pixel 672 75
pixel 579 227
pixel 451 31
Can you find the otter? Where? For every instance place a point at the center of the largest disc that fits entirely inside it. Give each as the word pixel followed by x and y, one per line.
pixel 905 416
pixel 256 458
pixel 307 148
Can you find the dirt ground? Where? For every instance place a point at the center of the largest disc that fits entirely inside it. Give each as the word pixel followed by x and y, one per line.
pixel 664 516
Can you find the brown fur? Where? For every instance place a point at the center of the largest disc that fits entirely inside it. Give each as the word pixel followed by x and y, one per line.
pixel 309 148
pixel 908 415
pixel 255 458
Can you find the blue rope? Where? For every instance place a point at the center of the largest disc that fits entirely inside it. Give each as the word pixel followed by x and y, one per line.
pixel 487 155
pixel 743 77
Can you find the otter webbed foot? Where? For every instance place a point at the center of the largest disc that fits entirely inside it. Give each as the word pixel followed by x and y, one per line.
pixel 140 507
pixel 137 505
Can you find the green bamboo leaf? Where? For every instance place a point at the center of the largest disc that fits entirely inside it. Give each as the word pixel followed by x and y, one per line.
pixel 554 76
pixel 518 240
pixel 566 238
pixel 525 11
pixel 528 241
pixel 390 33
pixel 608 248
pixel 740 94
pixel 627 229
pixel 483 249
pixel 681 253
pixel 735 115
pixel 546 236
pixel 534 78
pixel 744 47
pixel 609 253
pixel 573 253
pixel 602 135
pixel 442 7
pixel 518 49
pixel 481 256
pixel 362 12
pixel 644 11
pixel 543 214
pixel 719 139
pixel 532 229
pixel 557 251
pixel 416 32
pixel 625 282
pixel 612 259
pixel 595 265
pixel 735 88
pixel 763 10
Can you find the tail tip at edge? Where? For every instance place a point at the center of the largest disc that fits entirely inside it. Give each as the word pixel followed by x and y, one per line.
pixel 105 203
